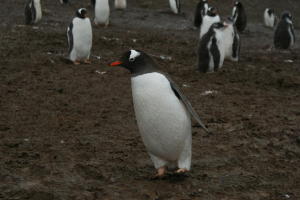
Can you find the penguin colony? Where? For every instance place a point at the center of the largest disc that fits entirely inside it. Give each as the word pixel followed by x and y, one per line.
pixel 162 111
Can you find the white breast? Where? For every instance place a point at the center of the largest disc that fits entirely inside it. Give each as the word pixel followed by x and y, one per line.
pixel 228 36
pixel 207 22
pixel 221 46
pixel 269 20
pixel 37 5
pixel 173 6
pixel 162 119
pixel 120 4
pixel 102 12
pixel 82 37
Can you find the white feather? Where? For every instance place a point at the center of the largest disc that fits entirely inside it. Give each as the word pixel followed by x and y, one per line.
pixel 269 20
pixel 134 54
pixel 163 120
pixel 207 22
pixel 120 4
pixel 173 6
pixel 38 9
pixel 102 12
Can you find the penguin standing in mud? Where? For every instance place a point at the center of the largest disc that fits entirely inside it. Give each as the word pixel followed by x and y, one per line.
pixel 80 37
pixel 33 12
pixel 120 4
pixel 200 11
pixel 210 18
pixel 239 16
pixel 175 6
pixel 231 41
pixel 102 12
pixel 211 50
pixel 63 1
pixel 269 18
pixel 162 112
pixel 284 37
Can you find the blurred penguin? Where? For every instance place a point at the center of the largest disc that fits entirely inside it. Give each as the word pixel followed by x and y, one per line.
pixel 211 50
pixel 239 16
pixel 102 12
pixel 231 41
pixel 284 37
pixel 33 12
pixel 175 6
pixel 210 18
pixel 269 18
pixel 63 1
pixel 120 4
pixel 200 12
pixel 80 37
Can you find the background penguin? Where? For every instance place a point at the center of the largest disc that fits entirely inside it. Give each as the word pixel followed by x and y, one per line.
pixel 80 37
pixel 33 12
pixel 239 16
pixel 269 17
pixel 200 11
pixel 120 4
pixel 64 1
pixel 175 6
pixel 284 37
pixel 210 18
pixel 162 113
pixel 102 12
pixel 231 41
pixel 211 50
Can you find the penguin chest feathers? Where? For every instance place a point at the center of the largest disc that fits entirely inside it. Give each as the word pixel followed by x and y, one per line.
pixel 82 33
pixel 163 120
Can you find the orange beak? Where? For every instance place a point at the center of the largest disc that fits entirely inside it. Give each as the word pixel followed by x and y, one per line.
pixel 116 63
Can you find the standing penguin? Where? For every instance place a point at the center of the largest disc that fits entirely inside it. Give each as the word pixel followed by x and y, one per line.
pixel 200 11
pixel 211 50
pixel 239 16
pixel 210 18
pixel 162 113
pixel 231 41
pixel 80 37
pixel 63 1
pixel 120 4
pixel 284 37
pixel 33 12
pixel 102 12
pixel 175 6
pixel 269 17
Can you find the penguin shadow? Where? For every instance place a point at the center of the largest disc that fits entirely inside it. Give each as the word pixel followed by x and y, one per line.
pixel 171 177
pixel 168 12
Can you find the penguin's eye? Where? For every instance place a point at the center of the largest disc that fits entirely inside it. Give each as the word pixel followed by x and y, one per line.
pixel 131 59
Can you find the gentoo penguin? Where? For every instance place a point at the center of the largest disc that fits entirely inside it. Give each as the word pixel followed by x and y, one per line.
pixel 200 11
pixel 211 50
pixel 210 18
pixel 120 4
pixel 102 12
pixel 162 113
pixel 80 37
pixel 239 16
pixel 269 17
pixel 284 37
pixel 63 1
pixel 33 12
pixel 175 6
pixel 231 41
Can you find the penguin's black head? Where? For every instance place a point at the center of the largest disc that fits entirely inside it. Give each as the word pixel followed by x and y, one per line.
pixel 237 4
pixel 212 11
pixel 286 15
pixel 137 62
pixel 270 11
pixel 81 13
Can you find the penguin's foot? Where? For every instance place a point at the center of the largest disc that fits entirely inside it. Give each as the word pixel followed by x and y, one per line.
pixel 87 61
pixel 160 172
pixel 181 171
pixel 76 62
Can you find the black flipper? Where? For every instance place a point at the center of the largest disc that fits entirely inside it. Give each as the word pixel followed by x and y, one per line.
pixel 178 5
pixel 214 50
pixel 70 37
pixel 186 102
pixel 28 12
pixel 93 2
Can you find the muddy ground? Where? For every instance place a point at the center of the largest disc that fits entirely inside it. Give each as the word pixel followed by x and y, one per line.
pixel 69 132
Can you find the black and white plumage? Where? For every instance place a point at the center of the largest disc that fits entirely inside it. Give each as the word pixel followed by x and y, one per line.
pixel 162 112
pixel 200 12
pixel 175 6
pixel 102 12
pixel 64 1
pixel 210 18
pixel 120 4
pixel 239 16
pixel 269 18
pixel 284 36
pixel 211 50
pixel 80 37
pixel 33 12
pixel 231 41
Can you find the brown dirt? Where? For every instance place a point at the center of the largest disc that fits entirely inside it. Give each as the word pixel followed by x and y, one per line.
pixel 69 132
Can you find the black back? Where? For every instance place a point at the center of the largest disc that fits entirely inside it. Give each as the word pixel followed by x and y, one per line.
pixel 240 17
pixel 30 13
pixel 282 37
pixel 199 13
pixel 70 37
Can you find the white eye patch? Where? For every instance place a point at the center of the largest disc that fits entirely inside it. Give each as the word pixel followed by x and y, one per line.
pixel 133 55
